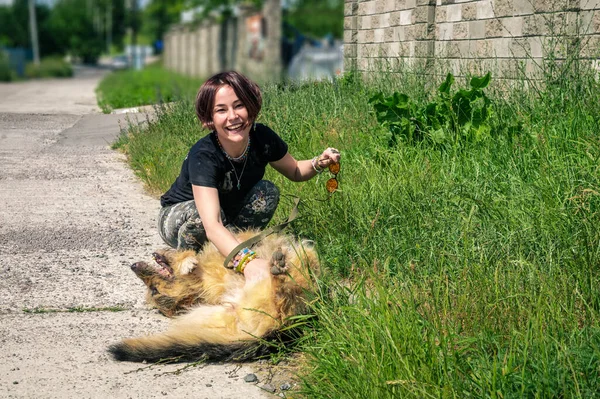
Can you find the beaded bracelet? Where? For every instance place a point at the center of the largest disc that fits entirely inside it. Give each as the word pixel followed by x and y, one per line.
pixel 238 257
pixel 241 258
pixel 244 262
pixel 316 166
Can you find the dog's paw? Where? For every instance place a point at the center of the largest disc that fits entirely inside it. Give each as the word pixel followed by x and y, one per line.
pixel 187 265
pixel 278 265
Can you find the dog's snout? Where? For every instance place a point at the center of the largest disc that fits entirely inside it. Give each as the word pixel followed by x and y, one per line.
pixel 137 265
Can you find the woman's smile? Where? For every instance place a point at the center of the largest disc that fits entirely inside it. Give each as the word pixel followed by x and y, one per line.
pixel 235 128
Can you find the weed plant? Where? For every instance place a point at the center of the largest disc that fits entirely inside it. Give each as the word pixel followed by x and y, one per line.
pixel 465 270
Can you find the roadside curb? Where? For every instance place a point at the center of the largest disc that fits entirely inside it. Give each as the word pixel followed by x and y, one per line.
pixel 141 109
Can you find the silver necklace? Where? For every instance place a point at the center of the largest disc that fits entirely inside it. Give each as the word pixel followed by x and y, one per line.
pixel 238 178
pixel 229 157
pixel 238 159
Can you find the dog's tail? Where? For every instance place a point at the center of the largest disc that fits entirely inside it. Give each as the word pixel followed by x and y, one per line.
pixel 166 349
pixel 209 332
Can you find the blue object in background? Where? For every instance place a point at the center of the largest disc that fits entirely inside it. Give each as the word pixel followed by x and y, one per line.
pixel 18 57
pixel 158 47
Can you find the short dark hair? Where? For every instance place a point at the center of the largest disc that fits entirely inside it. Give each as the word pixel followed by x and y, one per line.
pixel 246 90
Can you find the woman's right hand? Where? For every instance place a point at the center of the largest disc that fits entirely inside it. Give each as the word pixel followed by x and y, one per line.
pixel 256 270
pixel 328 157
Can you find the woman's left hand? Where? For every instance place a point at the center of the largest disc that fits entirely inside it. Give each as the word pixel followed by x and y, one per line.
pixel 328 157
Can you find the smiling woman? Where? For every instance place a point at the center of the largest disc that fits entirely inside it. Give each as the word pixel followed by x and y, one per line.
pixel 220 188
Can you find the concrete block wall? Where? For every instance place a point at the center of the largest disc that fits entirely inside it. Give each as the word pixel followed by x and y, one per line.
pixel 502 36
pixel 192 51
pixel 270 68
pixel 201 52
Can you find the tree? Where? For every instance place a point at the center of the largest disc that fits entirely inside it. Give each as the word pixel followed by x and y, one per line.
pixel 118 24
pixel 5 21
pixel 14 27
pixel 158 16
pixel 316 18
pixel 80 26
pixel 71 22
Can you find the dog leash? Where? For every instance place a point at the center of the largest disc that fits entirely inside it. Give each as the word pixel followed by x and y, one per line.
pixel 331 185
pixel 271 230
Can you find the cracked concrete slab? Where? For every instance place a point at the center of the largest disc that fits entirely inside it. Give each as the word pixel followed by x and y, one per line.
pixel 73 217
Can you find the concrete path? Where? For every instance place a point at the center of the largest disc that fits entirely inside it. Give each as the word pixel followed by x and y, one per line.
pixel 73 217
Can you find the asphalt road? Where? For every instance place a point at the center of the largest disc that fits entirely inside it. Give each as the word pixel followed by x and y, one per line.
pixel 73 217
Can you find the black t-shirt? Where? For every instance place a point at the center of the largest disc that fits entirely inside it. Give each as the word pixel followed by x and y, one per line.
pixel 206 165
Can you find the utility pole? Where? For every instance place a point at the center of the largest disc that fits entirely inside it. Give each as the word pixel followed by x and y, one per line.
pixel 134 27
pixel 33 32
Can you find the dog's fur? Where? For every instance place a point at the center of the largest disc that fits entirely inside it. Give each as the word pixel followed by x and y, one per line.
pixel 222 316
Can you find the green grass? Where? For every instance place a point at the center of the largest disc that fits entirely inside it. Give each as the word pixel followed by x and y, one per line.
pixel 472 269
pixel 151 85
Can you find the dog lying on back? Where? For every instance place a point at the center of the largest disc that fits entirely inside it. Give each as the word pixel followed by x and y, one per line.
pixel 218 316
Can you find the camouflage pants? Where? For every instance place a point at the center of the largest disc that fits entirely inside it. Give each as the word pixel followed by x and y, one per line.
pixel 180 227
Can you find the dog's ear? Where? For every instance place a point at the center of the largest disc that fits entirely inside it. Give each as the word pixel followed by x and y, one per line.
pixel 165 305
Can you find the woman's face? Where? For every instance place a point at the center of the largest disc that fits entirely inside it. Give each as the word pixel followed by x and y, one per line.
pixel 230 116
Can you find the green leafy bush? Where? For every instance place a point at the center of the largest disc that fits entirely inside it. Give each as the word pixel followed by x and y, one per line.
pixel 448 118
pixel 51 67
pixel 6 74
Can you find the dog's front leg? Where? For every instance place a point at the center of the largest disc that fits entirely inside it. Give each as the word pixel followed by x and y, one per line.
pixel 278 265
pixel 257 270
